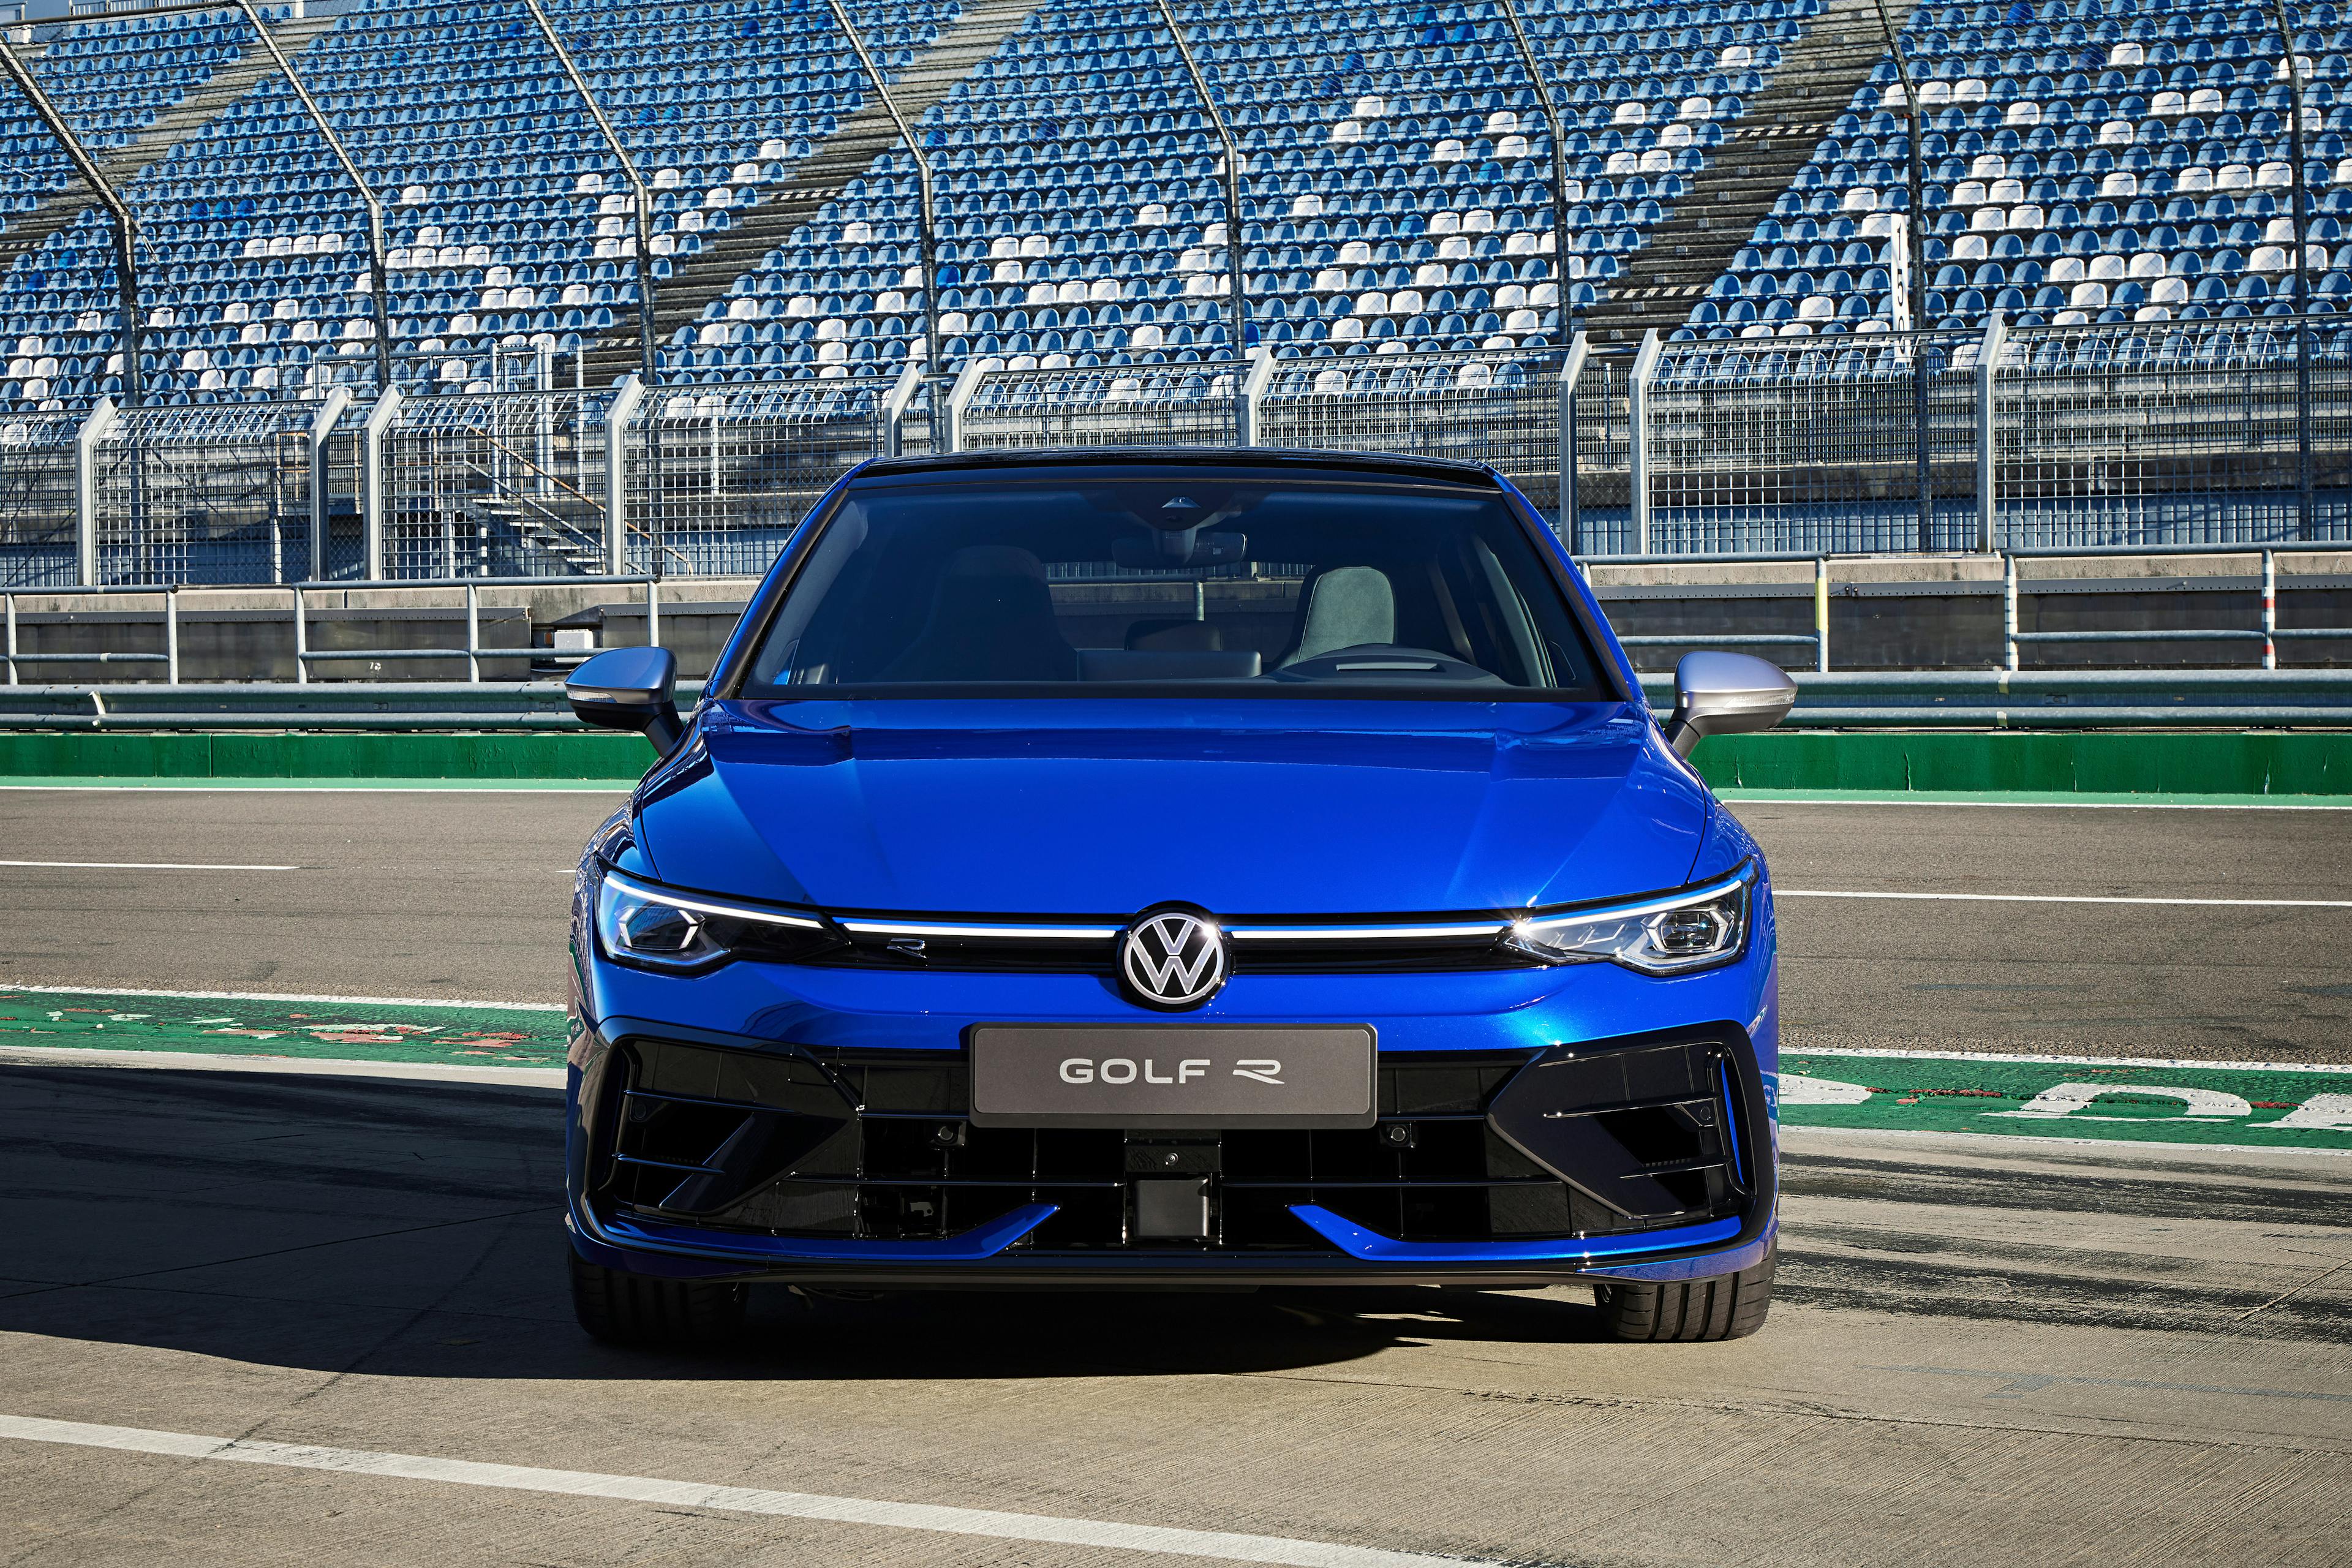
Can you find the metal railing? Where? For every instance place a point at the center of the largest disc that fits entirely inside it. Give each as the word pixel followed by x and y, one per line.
pixel 299 613
pixel 2132 436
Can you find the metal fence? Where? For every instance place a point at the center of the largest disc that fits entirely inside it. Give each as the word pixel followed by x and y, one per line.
pixel 720 475
pixel 38 525
pixel 500 484
pixel 1143 405
pixel 1501 409
pixel 205 494
pixel 2131 435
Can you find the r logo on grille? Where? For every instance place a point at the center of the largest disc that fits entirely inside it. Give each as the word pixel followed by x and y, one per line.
pixel 1172 958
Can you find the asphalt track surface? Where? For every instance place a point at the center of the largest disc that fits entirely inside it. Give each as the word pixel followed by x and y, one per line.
pixel 462 896
pixel 1986 1351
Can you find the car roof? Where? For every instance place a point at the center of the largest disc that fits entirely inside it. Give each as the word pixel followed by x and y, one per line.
pixel 1272 460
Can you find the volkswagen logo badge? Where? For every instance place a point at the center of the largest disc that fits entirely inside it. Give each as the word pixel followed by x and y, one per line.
pixel 1172 957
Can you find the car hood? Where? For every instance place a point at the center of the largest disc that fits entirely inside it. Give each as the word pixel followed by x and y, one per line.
pixel 1105 807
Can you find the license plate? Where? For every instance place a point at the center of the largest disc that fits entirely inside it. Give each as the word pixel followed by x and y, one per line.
pixel 1170 1076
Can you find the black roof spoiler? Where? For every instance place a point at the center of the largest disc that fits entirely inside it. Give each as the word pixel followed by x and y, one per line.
pixel 1395 464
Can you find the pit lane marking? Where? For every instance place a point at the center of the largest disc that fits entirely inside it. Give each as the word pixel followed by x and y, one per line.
pixel 1164 1540
pixel 2070 899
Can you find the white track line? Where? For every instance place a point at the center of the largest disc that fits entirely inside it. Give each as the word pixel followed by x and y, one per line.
pixel 1165 1540
pixel 594 786
pixel 1788 1050
pixel 288 996
pixel 2070 898
pixel 1736 797
pixel 290 1067
pixel 146 866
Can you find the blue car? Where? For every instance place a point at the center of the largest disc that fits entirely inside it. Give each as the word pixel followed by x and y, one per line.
pixel 1173 868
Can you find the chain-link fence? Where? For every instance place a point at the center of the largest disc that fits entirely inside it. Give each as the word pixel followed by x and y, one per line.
pixel 2151 436
pixel 1501 409
pixel 503 484
pixel 204 493
pixel 1811 445
pixel 36 501
pixel 1140 406
pixel 720 475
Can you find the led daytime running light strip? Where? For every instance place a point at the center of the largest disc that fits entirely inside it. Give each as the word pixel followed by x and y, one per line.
pixel 663 895
pixel 1706 895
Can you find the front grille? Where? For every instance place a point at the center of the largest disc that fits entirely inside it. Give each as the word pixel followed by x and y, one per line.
pixel 1098 956
pixel 874 1145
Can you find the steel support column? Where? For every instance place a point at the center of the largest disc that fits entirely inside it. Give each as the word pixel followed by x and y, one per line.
pixel 2304 508
pixel 1637 432
pixel 379 283
pixel 1915 243
pixel 1233 166
pixel 126 222
pixel 1535 77
pixel 641 196
pixel 1571 526
pixel 927 237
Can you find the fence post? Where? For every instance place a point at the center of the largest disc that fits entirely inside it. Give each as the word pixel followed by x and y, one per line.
pixel 653 612
pixel 1822 614
pixel 171 634
pixel 1996 336
pixel 967 382
pixel 473 635
pixel 895 407
pixel 1637 437
pixel 10 600
pixel 1571 521
pixel 2270 609
pixel 93 431
pixel 618 418
pixel 2009 613
pixel 1253 384
pixel 301 641
pixel 382 414
pixel 323 429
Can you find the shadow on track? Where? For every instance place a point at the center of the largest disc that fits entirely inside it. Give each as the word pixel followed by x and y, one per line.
pixel 414 1230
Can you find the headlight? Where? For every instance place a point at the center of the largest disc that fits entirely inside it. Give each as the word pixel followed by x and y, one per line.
pixel 653 927
pixel 1667 936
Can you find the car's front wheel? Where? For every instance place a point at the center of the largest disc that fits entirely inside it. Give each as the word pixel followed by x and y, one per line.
pixel 1725 1306
pixel 624 1309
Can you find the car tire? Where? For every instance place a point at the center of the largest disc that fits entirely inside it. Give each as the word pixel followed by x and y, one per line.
pixel 623 1309
pixel 1724 1307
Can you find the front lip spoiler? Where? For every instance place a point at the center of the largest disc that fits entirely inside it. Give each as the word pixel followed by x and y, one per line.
pixel 974 1246
pixel 979 1257
pixel 1371 1247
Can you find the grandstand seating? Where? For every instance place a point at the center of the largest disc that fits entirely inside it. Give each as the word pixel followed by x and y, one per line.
pixel 2103 160
pixel 2091 161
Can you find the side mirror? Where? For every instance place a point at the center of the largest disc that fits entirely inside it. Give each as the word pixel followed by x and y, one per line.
pixel 1726 694
pixel 629 689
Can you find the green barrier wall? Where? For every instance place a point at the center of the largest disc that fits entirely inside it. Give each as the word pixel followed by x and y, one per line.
pixel 2063 762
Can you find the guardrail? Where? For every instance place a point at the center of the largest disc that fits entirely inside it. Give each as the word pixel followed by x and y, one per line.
pixel 472 651
pixel 1995 699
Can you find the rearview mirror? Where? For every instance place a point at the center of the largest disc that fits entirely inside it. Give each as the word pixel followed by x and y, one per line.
pixel 629 689
pixel 1726 694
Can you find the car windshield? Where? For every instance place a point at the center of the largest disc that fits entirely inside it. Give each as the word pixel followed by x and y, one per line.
pixel 1171 581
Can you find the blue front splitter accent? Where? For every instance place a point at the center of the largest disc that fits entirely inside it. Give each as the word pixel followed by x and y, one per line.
pixel 981 1241
pixel 1373 1247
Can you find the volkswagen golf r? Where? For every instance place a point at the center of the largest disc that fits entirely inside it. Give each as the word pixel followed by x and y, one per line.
pixel 1172 868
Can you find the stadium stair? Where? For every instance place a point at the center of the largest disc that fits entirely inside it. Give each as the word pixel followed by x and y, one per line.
pixel 176 126
pixel 1819 75
pixel 864 136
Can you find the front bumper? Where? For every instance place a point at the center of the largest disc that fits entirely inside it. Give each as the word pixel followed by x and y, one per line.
pixel 706 1154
